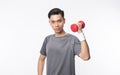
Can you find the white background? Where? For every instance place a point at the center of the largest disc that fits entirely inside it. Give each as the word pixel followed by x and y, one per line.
pixel 24 25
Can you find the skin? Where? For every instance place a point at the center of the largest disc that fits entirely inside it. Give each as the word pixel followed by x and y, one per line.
pixel 57 23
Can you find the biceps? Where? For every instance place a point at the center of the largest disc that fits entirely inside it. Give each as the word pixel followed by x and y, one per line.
pixel 42 57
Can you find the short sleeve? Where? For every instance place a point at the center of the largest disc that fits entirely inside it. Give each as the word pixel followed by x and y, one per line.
pixel 77 46
pixel 43 48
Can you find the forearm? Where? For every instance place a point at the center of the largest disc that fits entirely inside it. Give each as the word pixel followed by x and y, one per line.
pixel 84 54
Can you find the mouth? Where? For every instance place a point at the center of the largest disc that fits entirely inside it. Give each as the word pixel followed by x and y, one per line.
pixel 57 29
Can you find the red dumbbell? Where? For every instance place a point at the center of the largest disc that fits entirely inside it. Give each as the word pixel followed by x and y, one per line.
pixel 74 27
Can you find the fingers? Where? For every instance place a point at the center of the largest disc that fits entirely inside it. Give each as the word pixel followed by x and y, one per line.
pixel 79 26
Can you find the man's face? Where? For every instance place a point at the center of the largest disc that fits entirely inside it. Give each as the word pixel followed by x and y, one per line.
pixel 57 22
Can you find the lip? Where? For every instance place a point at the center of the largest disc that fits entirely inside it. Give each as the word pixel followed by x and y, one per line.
pixel 57 29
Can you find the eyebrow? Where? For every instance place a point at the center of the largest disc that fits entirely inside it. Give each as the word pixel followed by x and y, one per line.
pixel 57 20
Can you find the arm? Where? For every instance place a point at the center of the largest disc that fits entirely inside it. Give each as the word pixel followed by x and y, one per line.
pixel 41 62
pixel 84 54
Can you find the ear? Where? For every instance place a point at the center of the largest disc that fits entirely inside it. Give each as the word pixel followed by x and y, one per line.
pixel 49 21
pixel 64 20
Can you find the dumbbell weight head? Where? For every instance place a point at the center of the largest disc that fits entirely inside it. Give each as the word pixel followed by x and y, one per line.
pixel 82 23
pixel 74 27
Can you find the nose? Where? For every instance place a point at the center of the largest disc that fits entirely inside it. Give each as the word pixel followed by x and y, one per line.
pixel 56 24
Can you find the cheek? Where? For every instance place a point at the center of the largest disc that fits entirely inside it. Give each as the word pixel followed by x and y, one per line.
pixel 62 24
pixel 53 26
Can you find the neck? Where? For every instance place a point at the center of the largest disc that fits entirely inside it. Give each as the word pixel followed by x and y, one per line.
pixel 60 34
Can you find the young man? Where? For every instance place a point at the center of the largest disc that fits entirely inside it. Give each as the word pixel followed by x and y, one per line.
pixel 60 48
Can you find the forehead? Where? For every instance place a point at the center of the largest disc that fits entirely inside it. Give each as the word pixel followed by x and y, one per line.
pixel 56 17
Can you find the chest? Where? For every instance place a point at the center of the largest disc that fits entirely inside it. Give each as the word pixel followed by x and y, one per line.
pixel 59 47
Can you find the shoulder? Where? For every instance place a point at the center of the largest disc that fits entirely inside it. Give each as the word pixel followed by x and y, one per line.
pixel 49 36
pixel 72 36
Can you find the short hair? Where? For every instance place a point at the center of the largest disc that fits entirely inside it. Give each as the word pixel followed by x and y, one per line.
pixel 55 11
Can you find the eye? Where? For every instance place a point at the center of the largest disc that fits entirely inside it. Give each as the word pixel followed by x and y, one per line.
pixel 59 21
pixel 52 22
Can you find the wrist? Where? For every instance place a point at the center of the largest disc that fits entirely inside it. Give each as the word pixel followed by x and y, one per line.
pixel 80 31
pixel 81 36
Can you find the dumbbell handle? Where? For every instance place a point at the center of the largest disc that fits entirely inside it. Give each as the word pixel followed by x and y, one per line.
pixel 74 27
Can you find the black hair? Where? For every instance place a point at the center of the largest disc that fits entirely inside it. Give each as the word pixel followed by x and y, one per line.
pixel 56 11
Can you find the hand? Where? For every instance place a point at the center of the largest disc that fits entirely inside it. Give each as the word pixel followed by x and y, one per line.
pixel 79 27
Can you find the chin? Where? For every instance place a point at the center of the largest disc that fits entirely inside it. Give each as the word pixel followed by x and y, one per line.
pixel 57 31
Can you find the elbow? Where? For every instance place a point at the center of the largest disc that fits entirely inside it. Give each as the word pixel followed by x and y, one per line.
pixel 86 58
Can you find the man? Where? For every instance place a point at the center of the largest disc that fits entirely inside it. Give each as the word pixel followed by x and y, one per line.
pixel 60 48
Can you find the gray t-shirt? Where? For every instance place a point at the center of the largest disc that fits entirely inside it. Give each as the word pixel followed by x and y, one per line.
pixel 60 53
